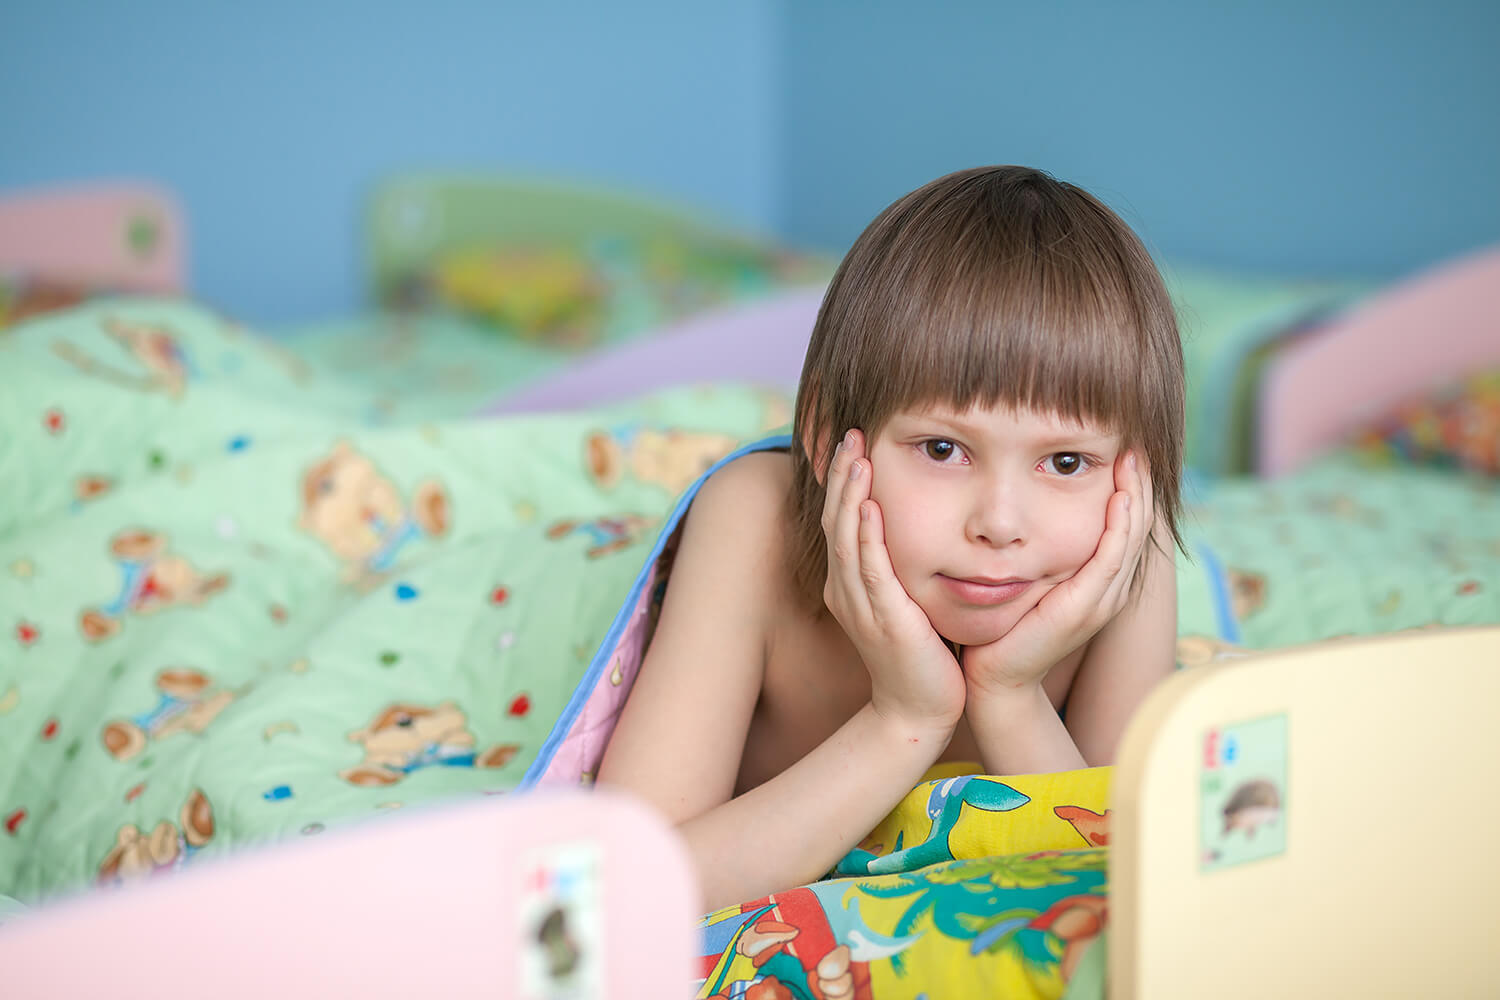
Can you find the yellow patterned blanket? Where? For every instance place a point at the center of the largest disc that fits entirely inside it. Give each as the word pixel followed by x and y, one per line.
pixel 973 886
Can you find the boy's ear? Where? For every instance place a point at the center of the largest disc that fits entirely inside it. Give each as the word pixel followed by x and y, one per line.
pixel 815 445
pixel 814 436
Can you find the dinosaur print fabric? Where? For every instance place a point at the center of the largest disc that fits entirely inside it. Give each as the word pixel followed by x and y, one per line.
pixel 974 885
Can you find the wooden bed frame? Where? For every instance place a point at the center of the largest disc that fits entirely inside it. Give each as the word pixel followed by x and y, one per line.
pixel 1388 882
pixel 1385 886
pixel 445 902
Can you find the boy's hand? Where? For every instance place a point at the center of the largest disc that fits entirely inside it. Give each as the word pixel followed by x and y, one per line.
pixel 1076 609
pixel 913 676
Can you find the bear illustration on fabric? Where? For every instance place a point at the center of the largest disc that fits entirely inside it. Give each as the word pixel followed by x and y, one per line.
pixel 167 846
pixel 406 738
pixel 188 703
pixel 153 579
pixel 86 488
pixel 605 534
pixel 1247 592
pixel 154 348
pixel 359 514
pixel 670 458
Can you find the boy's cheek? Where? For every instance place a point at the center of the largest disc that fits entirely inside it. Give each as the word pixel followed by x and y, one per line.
pixel 1077 534
pixel 1090 539
pixel 901 563
pixel 1095 511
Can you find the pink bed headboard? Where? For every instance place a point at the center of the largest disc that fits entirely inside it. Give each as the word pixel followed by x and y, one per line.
pixel 452 901
pixel 1421 333
pixel 122 236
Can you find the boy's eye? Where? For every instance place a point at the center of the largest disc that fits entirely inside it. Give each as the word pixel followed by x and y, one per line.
pixel 939 450
pixel 1066 463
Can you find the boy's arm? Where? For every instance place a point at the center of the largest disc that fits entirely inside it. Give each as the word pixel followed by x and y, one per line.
pixel 1019 732
pixel 681 736
pixel 795 827
pixel 1129 657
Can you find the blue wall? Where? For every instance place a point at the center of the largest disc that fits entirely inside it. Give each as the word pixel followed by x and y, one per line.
pixel 1343 136
pixel 1336 137
pixel 271 120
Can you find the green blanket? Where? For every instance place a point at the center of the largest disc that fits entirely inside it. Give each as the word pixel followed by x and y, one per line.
pixel 386 368
pixel 234 614
pixel 1344 548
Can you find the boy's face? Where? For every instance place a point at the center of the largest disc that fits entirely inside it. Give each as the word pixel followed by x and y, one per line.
pixel 987 510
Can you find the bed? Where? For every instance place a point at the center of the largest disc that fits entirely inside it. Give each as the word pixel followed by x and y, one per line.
pixel 544 896
pixel 247 610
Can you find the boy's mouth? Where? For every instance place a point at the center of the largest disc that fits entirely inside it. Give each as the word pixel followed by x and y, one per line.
pixel 985 591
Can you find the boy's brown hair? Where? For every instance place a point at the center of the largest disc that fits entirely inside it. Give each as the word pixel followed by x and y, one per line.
pixel 990 286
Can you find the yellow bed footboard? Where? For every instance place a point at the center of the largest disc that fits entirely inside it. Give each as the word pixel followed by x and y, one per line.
pixel 1316 822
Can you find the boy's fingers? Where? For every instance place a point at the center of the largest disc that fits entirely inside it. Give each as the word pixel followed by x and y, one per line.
pixel 1124 557
pixel 848 448
pixel 1136 484
pixel 1143 497
pixel 1145 516
pixel 875 570
pixel 1124 473
pixel 843 534
pixel 1104 581
pixel 833 486
pixel 1139 510
pixel 844 540
pixel 1102 571
pixel 856 489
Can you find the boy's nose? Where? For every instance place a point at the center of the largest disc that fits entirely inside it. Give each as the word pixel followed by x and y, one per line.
pixel 995 519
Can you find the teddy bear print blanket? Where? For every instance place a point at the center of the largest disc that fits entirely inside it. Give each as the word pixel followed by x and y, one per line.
pixel 230 614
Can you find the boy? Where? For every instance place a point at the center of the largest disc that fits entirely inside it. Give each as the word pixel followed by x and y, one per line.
pixel 988 432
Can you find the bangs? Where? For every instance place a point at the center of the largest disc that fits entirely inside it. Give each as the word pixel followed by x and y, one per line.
pixel 1043 316
pixel 1038 348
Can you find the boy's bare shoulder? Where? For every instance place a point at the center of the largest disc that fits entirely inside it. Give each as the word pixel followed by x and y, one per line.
pixel 753 486
pixel 728 574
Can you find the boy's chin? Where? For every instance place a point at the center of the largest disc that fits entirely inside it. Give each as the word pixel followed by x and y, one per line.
pixel 973 628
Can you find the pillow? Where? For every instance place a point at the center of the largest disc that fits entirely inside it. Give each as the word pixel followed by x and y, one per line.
pixel 579 293
pixel 554 294
pixel 1456 427
pixel 761 342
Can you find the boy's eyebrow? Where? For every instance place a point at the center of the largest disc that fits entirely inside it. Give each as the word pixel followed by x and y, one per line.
pixel 1063 436
pixel 1090 443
